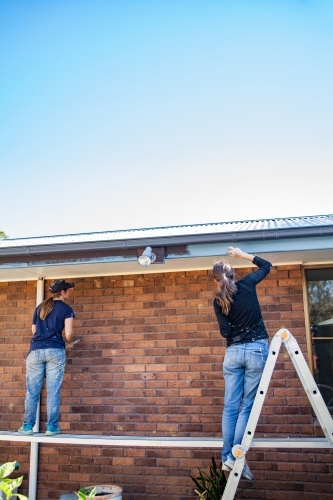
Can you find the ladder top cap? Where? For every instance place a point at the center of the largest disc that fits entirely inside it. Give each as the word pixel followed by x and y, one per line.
pixel 237 452
pixel 284 334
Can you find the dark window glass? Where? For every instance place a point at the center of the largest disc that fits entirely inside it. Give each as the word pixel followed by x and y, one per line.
pixel 320 293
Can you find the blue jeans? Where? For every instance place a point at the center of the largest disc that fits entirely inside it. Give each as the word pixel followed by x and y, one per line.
pixel 242 369
pixel 41 363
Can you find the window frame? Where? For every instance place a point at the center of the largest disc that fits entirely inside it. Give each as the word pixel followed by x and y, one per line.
pixel 307 312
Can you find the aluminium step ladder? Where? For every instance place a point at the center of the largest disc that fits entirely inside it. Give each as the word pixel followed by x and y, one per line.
pixel 311 389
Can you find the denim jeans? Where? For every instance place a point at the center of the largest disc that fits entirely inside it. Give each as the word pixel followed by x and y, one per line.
pixel 242 369
pixel 41 363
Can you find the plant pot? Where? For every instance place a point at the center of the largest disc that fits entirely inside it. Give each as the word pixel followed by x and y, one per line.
pixel 108 491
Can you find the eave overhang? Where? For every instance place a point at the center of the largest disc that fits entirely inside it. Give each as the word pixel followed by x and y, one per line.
pixel 284 241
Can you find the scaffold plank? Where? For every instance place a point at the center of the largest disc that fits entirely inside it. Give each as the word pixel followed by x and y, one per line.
pixel 163 441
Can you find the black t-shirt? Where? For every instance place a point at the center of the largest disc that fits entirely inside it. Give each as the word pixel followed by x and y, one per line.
pixel 244 322
pixel 49 331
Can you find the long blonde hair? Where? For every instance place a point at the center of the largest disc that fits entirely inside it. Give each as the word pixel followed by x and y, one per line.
pixel 224 274
pixel 47 306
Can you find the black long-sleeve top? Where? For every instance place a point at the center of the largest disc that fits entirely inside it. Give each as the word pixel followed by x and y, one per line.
pixel 244 322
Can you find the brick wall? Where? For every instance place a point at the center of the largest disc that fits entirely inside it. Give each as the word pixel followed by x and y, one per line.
pixel 150 363
pixel 17 302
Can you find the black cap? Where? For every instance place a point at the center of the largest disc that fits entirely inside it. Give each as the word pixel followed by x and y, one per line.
pixel 59 285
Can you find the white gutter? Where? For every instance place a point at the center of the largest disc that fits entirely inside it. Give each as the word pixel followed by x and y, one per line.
pixel 34 445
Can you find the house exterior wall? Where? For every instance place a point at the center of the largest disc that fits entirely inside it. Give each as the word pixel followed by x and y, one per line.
pixel 150 364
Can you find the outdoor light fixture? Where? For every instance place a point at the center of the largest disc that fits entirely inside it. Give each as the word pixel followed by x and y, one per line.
pixel 147 257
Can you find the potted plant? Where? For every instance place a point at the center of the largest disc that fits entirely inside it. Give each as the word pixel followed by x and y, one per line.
pixel 210 486
pixel 8 486
pixel 83 493
pixel 105 492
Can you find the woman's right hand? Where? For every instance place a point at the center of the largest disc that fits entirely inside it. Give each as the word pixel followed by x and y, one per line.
pixel 239 254
pixel 235 252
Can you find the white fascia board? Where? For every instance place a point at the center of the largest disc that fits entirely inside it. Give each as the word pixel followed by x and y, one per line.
pixel 262 246
pixel 302 251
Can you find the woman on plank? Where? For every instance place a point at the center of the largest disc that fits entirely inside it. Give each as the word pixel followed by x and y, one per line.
pixel 47 356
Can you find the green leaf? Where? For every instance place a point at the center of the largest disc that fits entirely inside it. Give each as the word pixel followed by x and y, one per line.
pixel 7 469
pixel 198 485
pixel 6 489
pixel 80 495
pixel 8 485
pixel 15 483
pixel 92 493
pixel 85 493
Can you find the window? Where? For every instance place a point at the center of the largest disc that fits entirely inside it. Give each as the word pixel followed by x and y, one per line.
pixel 320 297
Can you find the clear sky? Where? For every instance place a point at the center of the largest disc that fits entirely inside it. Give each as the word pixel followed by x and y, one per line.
pixel 120 114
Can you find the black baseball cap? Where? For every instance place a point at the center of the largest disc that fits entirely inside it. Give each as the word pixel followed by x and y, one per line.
pixel 59 285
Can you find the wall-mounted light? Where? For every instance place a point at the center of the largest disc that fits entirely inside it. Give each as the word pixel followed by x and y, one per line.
pixel 147 257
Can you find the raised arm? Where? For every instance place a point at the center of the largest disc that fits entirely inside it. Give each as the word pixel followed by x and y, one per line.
pixel 264 265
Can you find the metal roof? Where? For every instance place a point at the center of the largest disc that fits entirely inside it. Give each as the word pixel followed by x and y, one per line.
pixel 294 240
pixel 267 228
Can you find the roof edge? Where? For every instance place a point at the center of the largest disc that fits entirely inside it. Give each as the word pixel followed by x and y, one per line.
pixel 162 241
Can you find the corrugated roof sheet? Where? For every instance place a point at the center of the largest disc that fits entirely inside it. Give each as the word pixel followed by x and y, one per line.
pixel 219 227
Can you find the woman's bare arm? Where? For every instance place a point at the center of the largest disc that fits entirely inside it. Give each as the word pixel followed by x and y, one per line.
pixel 69 332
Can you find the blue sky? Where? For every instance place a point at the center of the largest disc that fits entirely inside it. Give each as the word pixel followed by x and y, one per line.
pixel 119 114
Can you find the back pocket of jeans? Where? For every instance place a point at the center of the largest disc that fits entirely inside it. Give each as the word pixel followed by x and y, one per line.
pixel 230 358
pixel 258 358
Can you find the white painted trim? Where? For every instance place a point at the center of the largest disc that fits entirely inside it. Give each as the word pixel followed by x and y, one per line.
pixel 33 474
pixel 181 264
pixel 161 442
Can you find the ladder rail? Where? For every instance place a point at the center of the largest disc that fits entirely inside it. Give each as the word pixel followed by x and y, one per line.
pixel 310 387
pixel 261 393
pixel 239 451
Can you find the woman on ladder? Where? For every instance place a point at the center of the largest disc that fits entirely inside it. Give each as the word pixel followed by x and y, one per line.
pixel 239 317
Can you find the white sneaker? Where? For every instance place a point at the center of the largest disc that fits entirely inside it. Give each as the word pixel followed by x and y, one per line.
pixel 228 465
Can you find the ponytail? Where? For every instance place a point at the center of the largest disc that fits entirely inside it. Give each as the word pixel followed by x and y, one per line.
pixel 47 306
pixel 224 274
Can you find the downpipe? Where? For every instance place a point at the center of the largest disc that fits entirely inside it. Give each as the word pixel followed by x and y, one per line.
pixel 34 446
